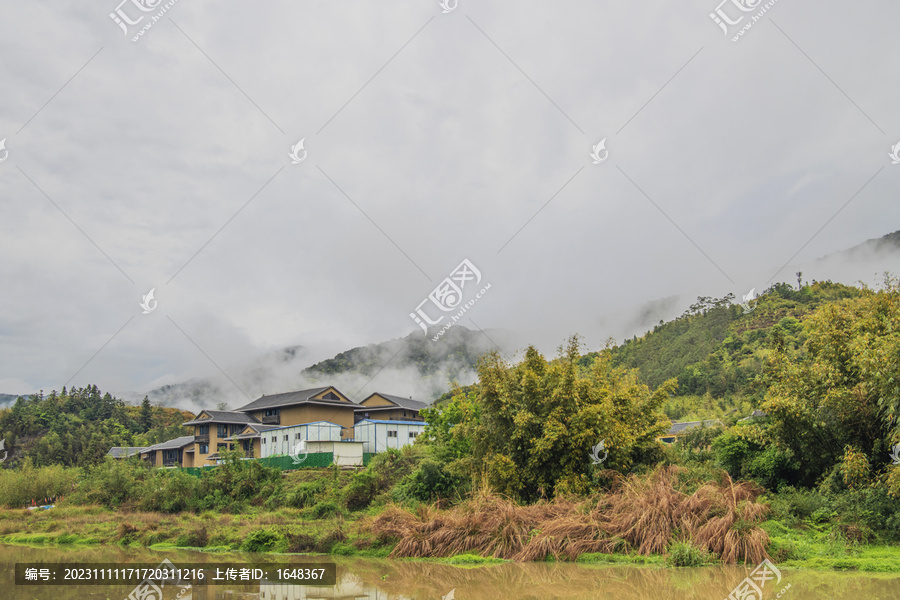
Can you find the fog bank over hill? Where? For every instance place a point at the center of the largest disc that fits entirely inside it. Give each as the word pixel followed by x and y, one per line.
pixel 413 366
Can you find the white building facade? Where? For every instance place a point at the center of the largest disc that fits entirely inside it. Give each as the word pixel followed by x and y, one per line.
pixel 282 441
pixel 378 436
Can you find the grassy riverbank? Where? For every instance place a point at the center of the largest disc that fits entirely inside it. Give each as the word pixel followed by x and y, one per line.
pixel 295 531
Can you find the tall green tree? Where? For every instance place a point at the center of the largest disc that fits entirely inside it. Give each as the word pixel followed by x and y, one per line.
pixel 145 418
pixel 537 422
pixel 842 397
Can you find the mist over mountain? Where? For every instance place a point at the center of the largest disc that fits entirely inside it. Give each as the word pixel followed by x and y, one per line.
pixel 863 263
pixel 415 366
pixel 412 366
pixel 7 399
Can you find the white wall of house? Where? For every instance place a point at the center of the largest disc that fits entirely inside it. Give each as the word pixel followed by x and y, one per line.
pixel 346 454
pixel 377 436
pixel 281 441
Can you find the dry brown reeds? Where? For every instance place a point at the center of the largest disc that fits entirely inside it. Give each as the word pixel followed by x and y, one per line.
pixel 643 514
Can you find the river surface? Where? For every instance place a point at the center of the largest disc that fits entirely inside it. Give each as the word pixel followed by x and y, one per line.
pixel 385 579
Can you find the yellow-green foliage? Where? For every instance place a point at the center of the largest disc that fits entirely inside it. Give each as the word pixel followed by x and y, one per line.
pixel 843 392
pixel 537 421
pixel 18 487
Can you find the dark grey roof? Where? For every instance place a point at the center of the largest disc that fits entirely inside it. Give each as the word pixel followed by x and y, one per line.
pixel 290 398
pixel 178 442
pixel 407 403
pixel 755 414
pixel 258 429
pixel 679 427
pixel 124 451
pixel 224 416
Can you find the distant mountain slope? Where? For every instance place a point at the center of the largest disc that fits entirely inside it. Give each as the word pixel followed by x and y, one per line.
pixel 435 364
pixel 411 366
pixel 886 243
pixel 716 349
pixel 7 399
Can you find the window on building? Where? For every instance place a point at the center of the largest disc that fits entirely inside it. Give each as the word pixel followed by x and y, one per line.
pixel 330 396
pixel 170 456
pixel 392 434
pixel 271 412
pixel 221 447
pixel 285 437
pixel 413 434
pixel 274 438
pixel 296 436
pixel 203 430
pixel 264 441
pixel 222 430
pixel 204 448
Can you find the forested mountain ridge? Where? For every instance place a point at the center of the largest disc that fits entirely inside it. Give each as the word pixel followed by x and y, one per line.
pixel 77 427
pixel 715 350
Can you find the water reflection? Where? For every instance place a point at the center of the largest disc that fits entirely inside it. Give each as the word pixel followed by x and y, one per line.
pixel 382 579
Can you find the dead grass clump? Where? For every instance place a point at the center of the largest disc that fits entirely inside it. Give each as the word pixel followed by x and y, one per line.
pixel 642 513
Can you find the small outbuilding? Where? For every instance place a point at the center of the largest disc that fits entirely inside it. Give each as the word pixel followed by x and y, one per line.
pixel 379 435
pixel 282 441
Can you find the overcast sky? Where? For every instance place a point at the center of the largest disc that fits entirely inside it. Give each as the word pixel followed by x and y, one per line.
pixel 430 137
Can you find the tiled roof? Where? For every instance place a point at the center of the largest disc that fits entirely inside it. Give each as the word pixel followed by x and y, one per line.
pixel 224 416
pixel 178 442
pixel 422 423
pixel 407 403
pixel 679 427
pixel 290 398
pixel 124 451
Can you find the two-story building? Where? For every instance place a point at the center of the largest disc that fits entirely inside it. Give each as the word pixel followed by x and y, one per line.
pixel 305 406
pixel 385 407
pixel 173 453
pixel 214 430
pixel 317 415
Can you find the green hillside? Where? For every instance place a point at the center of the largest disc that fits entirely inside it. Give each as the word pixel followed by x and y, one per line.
pixel 454 356
pixel 716 352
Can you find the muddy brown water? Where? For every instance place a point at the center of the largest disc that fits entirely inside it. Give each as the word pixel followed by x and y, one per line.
pixel 385 579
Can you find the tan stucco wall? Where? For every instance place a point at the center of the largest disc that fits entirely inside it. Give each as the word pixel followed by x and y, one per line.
pixel 376 400
pixel 310 413
pixel 214 439
pixel 323 393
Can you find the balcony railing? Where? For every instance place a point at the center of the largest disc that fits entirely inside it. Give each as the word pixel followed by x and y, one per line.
pixel 272 420
pixel 202 439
